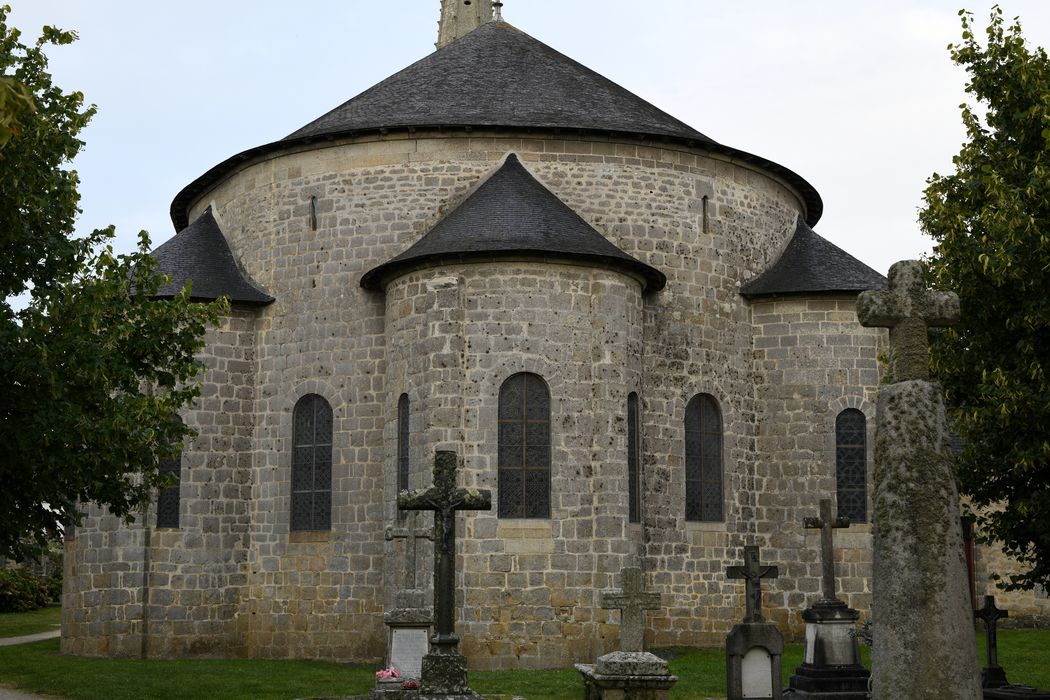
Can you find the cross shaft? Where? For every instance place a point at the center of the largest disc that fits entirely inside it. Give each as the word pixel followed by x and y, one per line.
pixel 632 601
pixel 827 525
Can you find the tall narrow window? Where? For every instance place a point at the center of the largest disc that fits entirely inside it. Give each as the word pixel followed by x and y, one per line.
pixel 311 464
pixel 524 447
pixel 703 459
pixel 851 468
pixel 634 453
pixel 402 443
pixel 168 497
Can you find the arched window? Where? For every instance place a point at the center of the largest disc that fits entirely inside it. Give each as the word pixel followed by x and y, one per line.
pixel 524 447
pixel 311 464
pixel 402 443
pixel 634 455
pixel 703 459
pixel 168 497
pixel 851 465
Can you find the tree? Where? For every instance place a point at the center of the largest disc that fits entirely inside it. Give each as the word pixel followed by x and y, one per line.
pixel 990 220
pixel 92 367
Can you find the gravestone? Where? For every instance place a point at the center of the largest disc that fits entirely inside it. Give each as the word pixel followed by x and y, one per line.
pixel 831 668
pixel 921 616
pixel 754 647
pixel 444 670
pixel 631 673
pixel 992 675
pixel 632 602
pixel 409 620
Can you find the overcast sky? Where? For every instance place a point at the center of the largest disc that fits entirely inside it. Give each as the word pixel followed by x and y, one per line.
pixel 860 98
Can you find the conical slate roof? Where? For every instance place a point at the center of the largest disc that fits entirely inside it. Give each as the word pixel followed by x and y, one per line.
pixel 813 265
pixel 499 76
pixel 496 77
pixel 200 253
pixel 512 215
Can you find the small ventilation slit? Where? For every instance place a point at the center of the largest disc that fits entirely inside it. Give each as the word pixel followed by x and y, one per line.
pixel 313 213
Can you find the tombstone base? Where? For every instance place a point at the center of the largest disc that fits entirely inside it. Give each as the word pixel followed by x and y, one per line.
pixel 1015 692
pixel 830 682
pixel 445 677
pixel 627 675
pixel 753 655
pixel 993 677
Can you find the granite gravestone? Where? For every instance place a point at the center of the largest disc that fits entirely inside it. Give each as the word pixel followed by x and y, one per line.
pixel 409 621
pixel 831 669
pixel 754 647
pixel 631 672
pixel 444 670
pixel 921 618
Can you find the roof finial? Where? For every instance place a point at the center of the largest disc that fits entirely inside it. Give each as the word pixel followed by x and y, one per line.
pixel 497 7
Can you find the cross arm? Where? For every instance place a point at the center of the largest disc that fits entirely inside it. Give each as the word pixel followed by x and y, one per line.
pixel 419 499
pixel 475 499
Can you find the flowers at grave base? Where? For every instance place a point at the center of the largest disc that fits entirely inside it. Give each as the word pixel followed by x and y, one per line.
pixel 387 674
pixel 410 684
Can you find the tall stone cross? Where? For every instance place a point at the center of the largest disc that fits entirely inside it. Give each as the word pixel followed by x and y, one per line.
pixel 908 309
pixel 632 601
pixel 827 526
pixel 993 674
pixel 752 572
pixel 445 499
pixel 410 535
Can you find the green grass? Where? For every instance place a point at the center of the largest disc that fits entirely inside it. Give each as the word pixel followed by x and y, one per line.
pixel 32 622
pixel 40 668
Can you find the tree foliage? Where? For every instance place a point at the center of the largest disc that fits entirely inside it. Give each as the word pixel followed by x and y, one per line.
pixel 92 368
pixel 990 220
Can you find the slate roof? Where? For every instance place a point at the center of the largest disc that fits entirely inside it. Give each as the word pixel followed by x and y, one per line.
pixel 813 265
pixel 497 77
pixel 200 253
pixel 512 215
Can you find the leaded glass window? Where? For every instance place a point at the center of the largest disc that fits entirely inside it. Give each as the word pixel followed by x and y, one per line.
pixel 851 465
pixel 311 464
pixel 168 497
pixel 402 443
pixel 634 450
pixel 524 447
pixel 703 459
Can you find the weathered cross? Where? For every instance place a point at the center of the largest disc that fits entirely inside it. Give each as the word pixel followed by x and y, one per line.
pixel 445 499
pixel 907 308
pixel 410 535
pixel 752 572
pixel 990 616
pixel 827 525
pixel 632 601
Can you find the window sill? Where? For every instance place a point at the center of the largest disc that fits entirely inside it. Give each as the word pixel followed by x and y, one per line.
pixel 299 536
pixel 703 526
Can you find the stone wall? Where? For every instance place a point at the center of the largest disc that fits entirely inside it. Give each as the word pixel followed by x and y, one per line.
pixel 812 361
pixel 140 590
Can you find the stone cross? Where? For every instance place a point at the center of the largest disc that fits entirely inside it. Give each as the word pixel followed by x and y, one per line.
pixel 445 499
pixel 990 616
pixel 632 601
pixel 410 535
pixel 827 525
pixel 907 308
pixel 752 572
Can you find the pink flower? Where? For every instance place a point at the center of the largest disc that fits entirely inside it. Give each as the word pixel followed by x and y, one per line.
pixel 387 673
pixel 410 685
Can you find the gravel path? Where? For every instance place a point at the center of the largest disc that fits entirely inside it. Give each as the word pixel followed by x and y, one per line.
pixel 8 641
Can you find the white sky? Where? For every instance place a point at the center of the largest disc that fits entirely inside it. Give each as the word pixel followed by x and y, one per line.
pixel 860 98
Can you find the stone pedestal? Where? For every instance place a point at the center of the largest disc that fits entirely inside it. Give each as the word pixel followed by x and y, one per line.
pixel 408 631
pixel 831 668
pixel 921 617
pixel 1015 692
pixel 753 655
pixel 445 676
pixel 627 675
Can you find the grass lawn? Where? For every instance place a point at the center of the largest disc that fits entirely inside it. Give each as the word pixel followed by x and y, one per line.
pixel 39 668
pixel 32 622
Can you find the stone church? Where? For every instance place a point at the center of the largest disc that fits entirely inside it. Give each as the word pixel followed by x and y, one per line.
pixel 629 332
